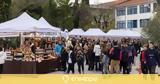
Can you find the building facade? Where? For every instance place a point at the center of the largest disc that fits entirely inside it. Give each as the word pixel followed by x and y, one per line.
pixel 134 14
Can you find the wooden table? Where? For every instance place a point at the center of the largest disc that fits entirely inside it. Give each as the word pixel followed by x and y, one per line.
pixel 23 67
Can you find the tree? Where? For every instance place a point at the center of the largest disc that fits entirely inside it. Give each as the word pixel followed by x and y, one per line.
pixel 59 13
pixel 158 1
pixel 85 15
pixel 85 2
pixel 35 10
pixel 4 10
pixel 75 14
pixel 103 18
pixel 33 7
pixel 152 30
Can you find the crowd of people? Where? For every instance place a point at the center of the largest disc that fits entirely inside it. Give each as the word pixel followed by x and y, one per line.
pixel 109 57
pixel 106 56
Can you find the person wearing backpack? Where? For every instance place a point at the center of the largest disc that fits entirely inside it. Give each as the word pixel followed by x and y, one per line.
pixel 115 58
pixel 80 61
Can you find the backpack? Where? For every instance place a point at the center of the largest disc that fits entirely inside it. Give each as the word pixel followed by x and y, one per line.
pixel 115 53
pixel 80 58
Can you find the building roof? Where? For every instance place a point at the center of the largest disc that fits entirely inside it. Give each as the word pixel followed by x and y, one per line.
pixel 121 3
pixel 133 2
pixel 108 5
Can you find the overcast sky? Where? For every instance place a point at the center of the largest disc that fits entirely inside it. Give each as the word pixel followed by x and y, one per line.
pixel 96 1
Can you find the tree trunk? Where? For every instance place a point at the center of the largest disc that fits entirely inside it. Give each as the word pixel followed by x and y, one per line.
pixel 158 1
pixel 86 2
pixel 76 14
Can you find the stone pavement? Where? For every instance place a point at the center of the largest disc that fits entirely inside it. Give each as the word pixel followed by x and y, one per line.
pixel 134 69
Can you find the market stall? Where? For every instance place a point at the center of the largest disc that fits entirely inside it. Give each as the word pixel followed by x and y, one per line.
pixel 35 54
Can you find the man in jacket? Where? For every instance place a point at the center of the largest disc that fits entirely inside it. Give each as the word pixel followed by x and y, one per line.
pixel 115 58
pixel 152 59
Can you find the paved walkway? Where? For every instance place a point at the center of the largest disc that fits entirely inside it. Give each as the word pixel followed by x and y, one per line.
pixel 134 69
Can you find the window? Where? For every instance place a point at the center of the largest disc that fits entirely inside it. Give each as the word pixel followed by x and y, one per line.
pixel 132 10
pixel 143 22
pixel 145 8
pixel 121 11
pixel 132 24
pixel 121 24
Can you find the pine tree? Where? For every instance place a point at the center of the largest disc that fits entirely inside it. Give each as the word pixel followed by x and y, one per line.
pixel 4 10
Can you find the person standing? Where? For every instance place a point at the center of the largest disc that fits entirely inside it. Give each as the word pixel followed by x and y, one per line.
pixel 152 59
pixel 124 58
pixel 3 56
pixel 144 67
pixel 80 61
pixel 58 48
pixel 85 50
pixel 97 51
pixel 91 57
pixel 71 60
pixel 131 54
pixel 115 58
pixel 64 55
pixel 33 48
pixel 105 60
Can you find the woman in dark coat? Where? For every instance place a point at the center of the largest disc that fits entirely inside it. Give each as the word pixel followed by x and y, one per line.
pixel 64 56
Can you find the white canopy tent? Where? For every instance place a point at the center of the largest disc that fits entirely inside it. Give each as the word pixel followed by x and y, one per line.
pixel 25 23
pixel 123 34
pixel 42 23
pixel 94 32
pixel 76 32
